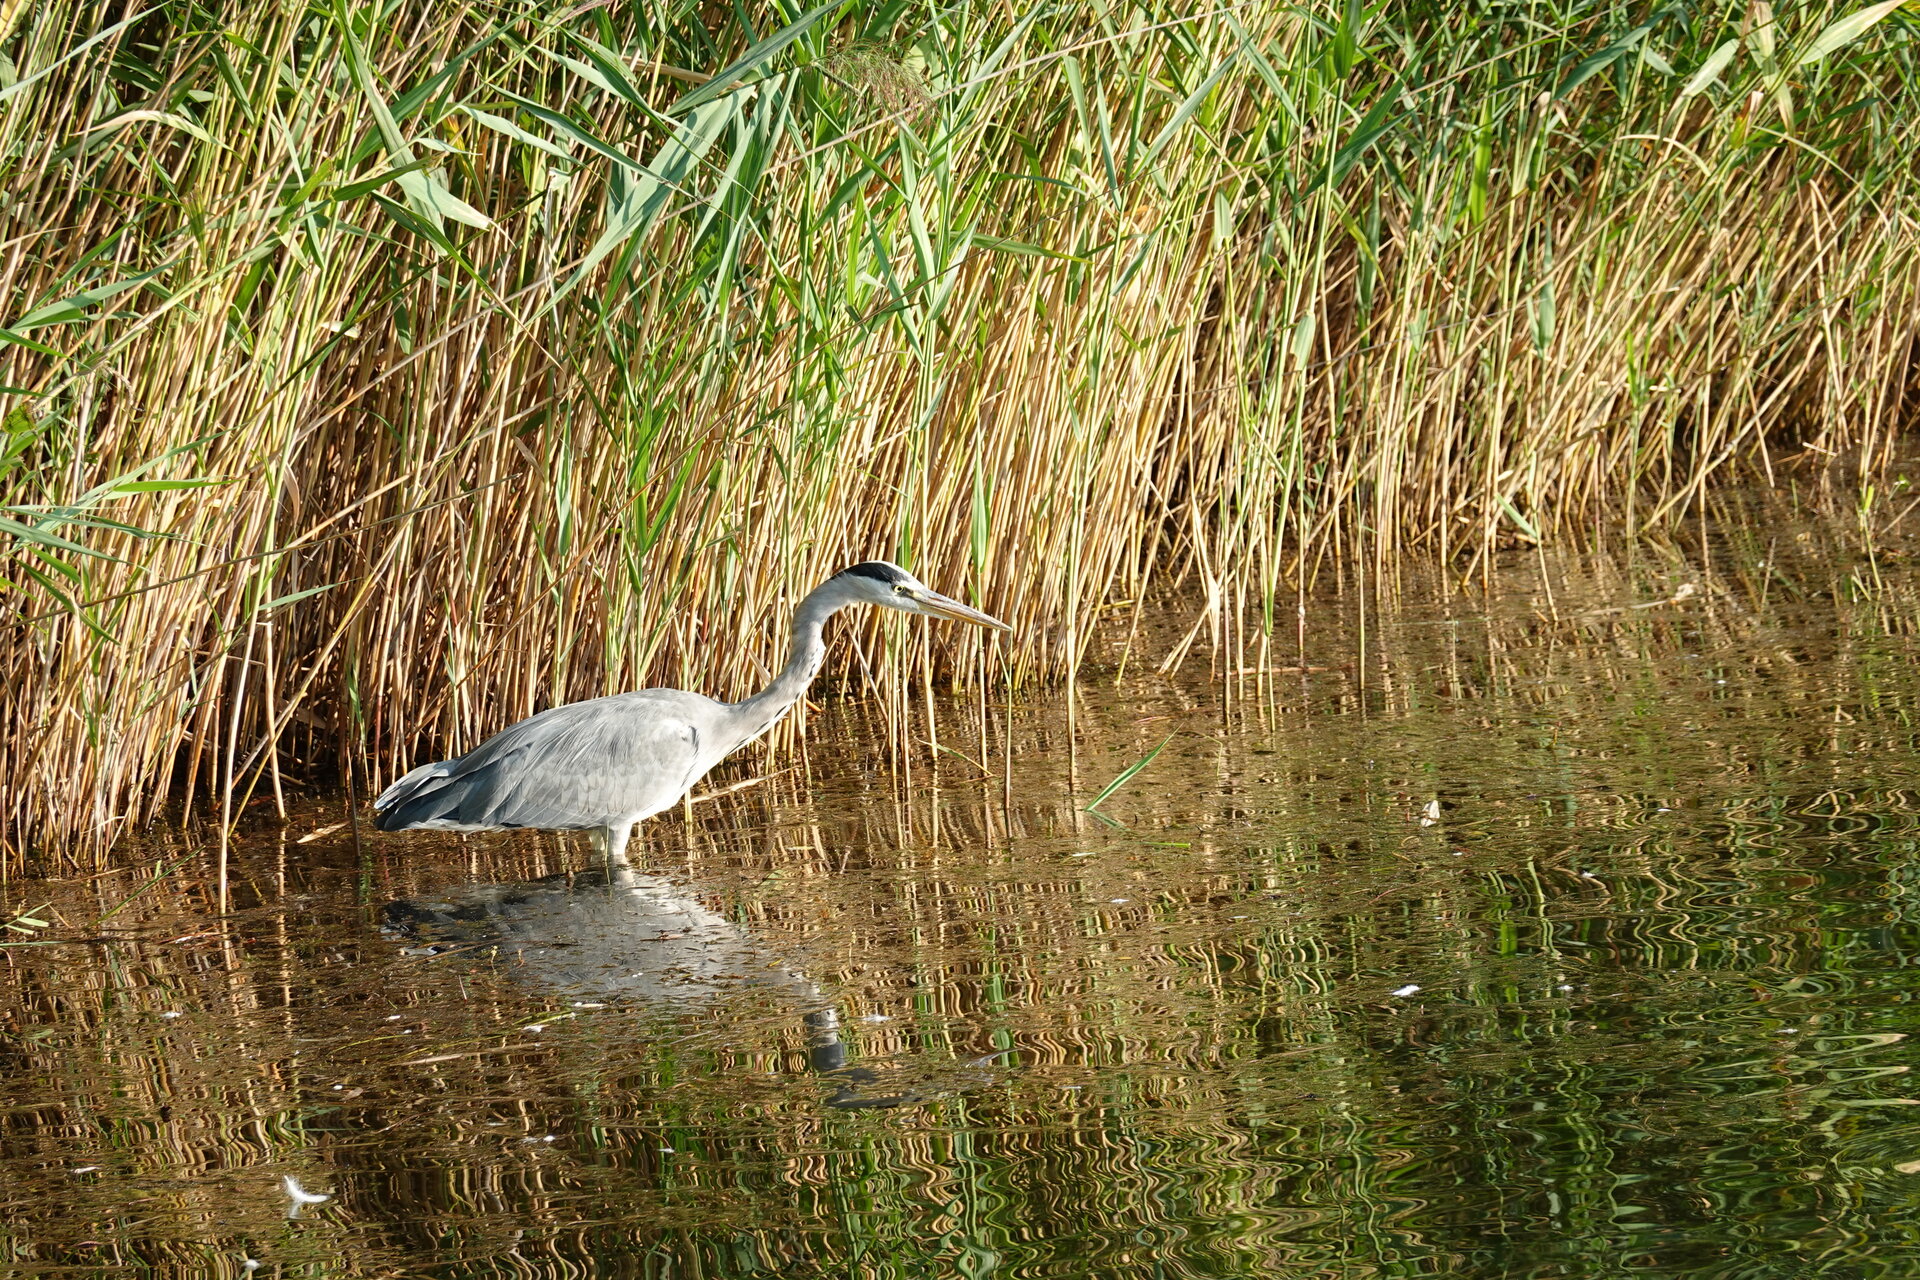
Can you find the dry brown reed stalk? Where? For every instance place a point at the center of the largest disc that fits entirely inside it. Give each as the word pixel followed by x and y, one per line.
pixel 318 330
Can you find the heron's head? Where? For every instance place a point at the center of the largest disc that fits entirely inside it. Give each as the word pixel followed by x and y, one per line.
pixel 891 587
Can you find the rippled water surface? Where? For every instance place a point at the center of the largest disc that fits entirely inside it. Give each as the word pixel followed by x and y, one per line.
pixel 1564 931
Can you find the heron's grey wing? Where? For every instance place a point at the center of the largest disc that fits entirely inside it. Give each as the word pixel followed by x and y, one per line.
pixel 585 764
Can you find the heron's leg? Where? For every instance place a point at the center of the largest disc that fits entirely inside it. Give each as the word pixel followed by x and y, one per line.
pixel 616 836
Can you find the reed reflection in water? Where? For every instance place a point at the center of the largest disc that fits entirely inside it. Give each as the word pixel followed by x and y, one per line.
pixel 1541 936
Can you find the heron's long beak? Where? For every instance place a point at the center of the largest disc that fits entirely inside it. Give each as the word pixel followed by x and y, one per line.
pixel 936 605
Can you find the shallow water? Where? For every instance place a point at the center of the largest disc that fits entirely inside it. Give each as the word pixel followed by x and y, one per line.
pixel 1538 934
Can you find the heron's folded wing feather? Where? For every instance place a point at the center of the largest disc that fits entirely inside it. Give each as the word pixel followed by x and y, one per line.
pixel 584 764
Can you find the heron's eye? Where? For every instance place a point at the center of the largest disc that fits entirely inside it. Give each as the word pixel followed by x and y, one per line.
pixel 901 588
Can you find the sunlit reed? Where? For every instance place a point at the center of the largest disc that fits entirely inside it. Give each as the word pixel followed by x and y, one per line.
pixel 374 378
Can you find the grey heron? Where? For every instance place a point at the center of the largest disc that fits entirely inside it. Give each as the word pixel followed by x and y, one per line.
pixel 606 763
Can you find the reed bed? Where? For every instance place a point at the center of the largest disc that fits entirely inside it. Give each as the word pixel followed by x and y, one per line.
pixel 376 376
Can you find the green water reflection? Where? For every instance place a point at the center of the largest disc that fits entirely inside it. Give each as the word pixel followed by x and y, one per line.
pixel 1538 935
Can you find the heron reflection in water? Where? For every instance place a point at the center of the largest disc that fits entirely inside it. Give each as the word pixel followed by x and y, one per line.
pixel 619 936
pixel 606 763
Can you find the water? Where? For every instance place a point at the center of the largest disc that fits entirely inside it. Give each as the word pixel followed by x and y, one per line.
pixel 1537 935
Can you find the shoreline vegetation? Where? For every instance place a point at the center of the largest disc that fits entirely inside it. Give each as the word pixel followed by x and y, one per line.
pixel 375 376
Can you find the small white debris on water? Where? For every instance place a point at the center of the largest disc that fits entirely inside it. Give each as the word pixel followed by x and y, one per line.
pixel 1407 990
pixel 1588 875
pixel 249 1264
pixel 1430 814
pixel 668 1151
pixel 90 1168
pixel 1565 987
pixel 1088 854
pixel 1119 900
pixel 1240 917
pixel 339 1086
pixel 395 1017
pixel 876 1017
pixel 588 1004
pixel 171 1013
pixel 299 1195
pixel 536 1026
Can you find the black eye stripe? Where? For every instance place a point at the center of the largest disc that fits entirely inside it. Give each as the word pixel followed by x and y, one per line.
pixel 878 570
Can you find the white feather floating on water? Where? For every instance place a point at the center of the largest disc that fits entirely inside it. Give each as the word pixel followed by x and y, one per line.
pixel 299 1196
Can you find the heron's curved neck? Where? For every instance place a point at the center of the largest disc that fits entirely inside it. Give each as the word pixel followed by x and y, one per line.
pixel 809 649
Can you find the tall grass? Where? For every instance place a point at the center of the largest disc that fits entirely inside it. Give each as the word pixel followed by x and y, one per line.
pixel 377 375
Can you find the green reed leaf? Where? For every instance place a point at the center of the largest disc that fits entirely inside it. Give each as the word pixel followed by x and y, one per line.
pixel 1126 775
